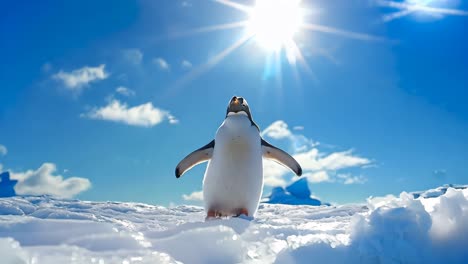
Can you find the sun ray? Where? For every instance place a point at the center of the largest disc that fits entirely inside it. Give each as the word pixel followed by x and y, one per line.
pixel 326 53
pixel 398 14
pixel 268 69
pixel 407 8
pixel 212 62
pixel 424 8
pixel 222 26
pixel 241 7
pixel 298 54
pixel 217 58
pixel 219 27
pixel 341 32
pixel 279 72
pixel 291 47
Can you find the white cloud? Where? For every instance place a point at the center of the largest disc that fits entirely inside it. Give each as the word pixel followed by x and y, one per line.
pixel 317 166
pixel 79 78
pixel 350 179
pixel 125 91
pixel 134 56
pixel 273 173
pixel 195 196
pixel 320 176
pixel 186 64
pixel 312 160
pixel 162 64
pixel 45 181
pixel 280 130
pixel 341 160
pixel 277 130
pixel 141 115
pixel 3 150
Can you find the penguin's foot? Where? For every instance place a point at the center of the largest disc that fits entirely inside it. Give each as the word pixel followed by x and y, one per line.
pixel 212 214
pixel 242 211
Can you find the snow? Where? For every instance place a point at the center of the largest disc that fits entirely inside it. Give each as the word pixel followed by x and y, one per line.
pixel 437 191
pixel 403 229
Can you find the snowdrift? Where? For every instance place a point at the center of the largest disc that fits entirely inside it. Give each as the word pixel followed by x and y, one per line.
pixel 404 229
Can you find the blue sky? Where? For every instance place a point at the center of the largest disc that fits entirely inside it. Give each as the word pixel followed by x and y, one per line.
pixel 111 95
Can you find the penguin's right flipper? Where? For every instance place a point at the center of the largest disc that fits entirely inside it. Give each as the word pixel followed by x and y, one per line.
pixel 280 156
pixel 198 156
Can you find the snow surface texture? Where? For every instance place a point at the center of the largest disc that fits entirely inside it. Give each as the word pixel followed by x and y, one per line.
pixel 385 230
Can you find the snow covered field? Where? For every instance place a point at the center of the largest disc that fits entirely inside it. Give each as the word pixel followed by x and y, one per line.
pixel 431 229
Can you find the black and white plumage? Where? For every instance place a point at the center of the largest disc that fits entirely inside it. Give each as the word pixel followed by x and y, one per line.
pixel 233 181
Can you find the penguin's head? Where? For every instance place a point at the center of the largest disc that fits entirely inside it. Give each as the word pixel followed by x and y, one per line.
pixel 238 105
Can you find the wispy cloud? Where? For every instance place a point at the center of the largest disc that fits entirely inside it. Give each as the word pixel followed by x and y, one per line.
pixel 195 196
pixel 45 180
pixel 186 65
pixel 439 173
pixel 408 7
pixel 173 120
pixel 125 91
pixel 313 160
pixel 3 150
pixel 79 78
pixel 333 177
pixel 186 4
pixel 350 179
pixel 317 166
pixel 134 56
pixel 46 67
pixel 145 115
pixel 162 64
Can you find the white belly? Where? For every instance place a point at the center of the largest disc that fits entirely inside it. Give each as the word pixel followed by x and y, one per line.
pixel 234 176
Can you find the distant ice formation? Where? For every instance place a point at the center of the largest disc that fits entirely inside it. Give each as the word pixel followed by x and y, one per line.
pixel 298 193
pixel 7 186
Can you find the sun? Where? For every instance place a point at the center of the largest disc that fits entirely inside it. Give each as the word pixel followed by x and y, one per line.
pixel 276 26
pixel 274 23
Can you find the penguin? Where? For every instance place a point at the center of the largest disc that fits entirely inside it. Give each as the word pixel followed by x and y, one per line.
pixel 233 181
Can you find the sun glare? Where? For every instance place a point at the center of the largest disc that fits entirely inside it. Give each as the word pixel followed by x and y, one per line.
pixel 275 26
pixel 274 23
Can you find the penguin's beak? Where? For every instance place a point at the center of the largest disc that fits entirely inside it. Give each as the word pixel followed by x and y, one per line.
pixel 236 105
pixel 235 101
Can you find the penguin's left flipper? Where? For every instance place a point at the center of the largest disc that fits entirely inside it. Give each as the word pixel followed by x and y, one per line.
pixel 198 156
pixel 280 156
